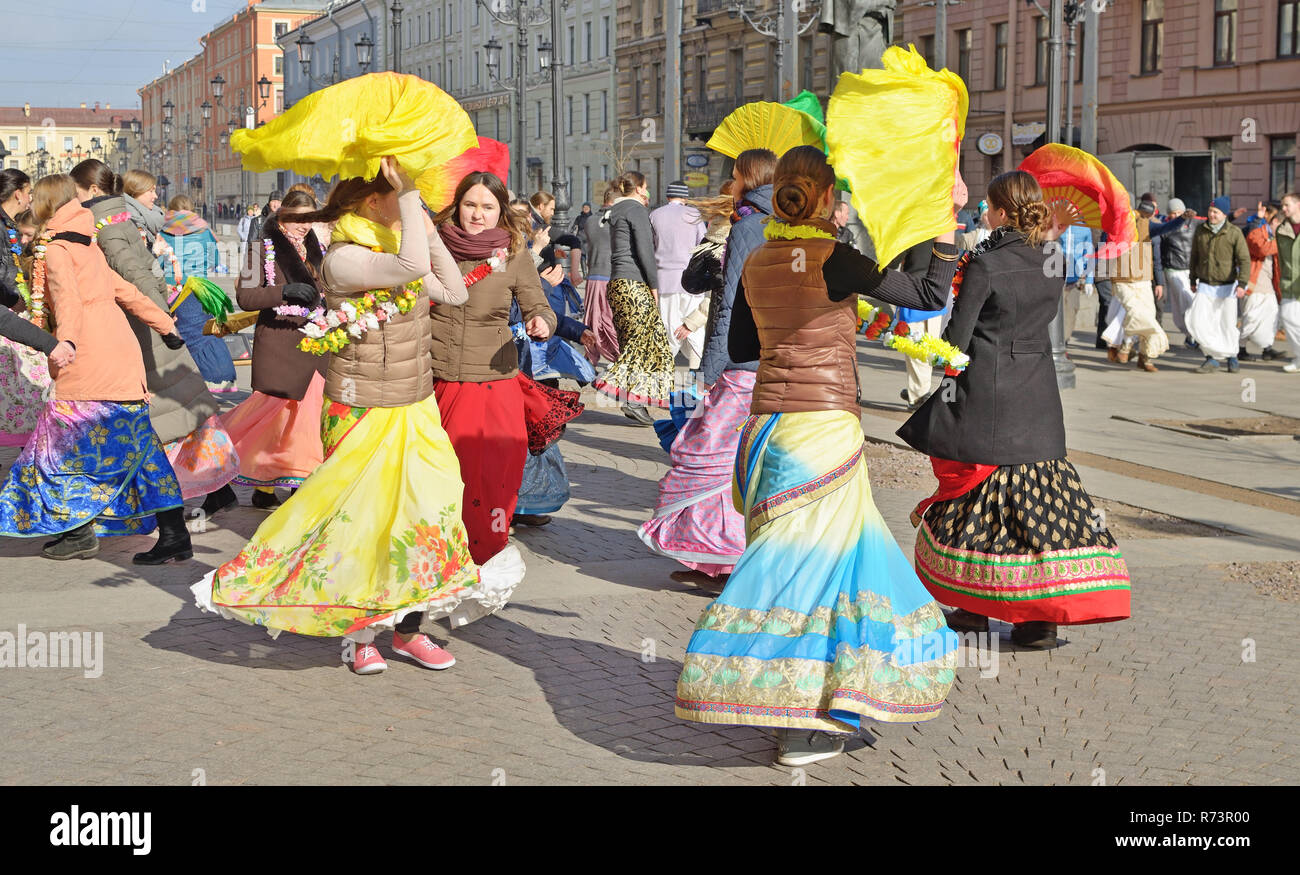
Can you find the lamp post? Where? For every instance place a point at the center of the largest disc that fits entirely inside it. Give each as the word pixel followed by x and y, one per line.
pixel 396 10
pixel 786 34
pixel 248 111
pixel 521 15
pixel 553 61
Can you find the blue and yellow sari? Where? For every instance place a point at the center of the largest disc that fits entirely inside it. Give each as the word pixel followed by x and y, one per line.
pixel 823 621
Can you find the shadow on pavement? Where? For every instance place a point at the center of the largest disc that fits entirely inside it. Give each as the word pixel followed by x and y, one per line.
pixel 622 700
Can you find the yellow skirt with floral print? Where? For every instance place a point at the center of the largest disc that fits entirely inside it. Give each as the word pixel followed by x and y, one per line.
pixel 373 534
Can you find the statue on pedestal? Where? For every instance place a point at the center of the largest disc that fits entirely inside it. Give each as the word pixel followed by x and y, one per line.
pixel 861 31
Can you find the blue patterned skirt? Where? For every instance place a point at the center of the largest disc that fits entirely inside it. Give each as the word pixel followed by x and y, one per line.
pixel 823 621
pixel 89 460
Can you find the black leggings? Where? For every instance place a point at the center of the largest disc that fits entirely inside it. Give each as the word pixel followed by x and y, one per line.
pixel 410 624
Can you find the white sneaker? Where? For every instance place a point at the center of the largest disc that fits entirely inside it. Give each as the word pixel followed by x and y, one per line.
pixel 799 747
pixel 1292 368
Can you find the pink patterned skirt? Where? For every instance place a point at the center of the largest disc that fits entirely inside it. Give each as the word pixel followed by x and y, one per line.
pixel 278 440
pixel 599 318
pixel 205 460
pixel 695 521
pixel 24 386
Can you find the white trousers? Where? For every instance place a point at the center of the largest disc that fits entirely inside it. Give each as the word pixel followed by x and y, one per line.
pixel 1259 318
pixel 1289 316
pixel 674 309
pixel 1178 295
pixel 1140 322
pixel 1212 320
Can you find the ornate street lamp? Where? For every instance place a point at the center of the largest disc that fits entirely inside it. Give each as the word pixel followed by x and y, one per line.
pixel 365 52
pixel 207 111
pixel 218 84
pixel 264 88
pixel 544 55
pixel 305 45
pixel 135 126
pixel 493 50
pixel 396 9
pixel 168 108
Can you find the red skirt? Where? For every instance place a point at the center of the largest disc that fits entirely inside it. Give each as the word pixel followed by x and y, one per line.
pixel 493 426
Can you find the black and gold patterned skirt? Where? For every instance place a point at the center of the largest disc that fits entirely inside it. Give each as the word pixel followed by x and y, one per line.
pixel 1026 544
pixel 643 373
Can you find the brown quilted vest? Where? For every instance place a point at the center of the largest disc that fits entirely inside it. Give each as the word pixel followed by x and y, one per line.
pixel 808 360
pixel 390 366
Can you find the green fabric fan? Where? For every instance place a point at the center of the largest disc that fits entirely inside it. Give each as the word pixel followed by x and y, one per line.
pixel 212 297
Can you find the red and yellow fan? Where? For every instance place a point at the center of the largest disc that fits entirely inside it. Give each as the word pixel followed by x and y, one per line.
pixel 1082 190
pixel 492 156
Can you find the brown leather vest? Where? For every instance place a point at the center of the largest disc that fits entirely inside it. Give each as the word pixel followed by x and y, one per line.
pixel 808 360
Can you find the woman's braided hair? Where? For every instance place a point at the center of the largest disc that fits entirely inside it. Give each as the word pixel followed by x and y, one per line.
pixel 1019 194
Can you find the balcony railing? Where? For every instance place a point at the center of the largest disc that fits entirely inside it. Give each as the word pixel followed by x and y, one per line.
pixel 705 8
pixel 705 115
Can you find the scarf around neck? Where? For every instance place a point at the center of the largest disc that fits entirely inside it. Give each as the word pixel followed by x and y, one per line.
pixel 182 222
pixel 356 228
pixel 472 247
pixel 149 218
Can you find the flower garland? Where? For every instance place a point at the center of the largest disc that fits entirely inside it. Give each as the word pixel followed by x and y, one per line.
pixel 961 269
pixel 37 305
pixel 493 264
pixel 268 261
pixel 778 230
pixel 330 330
pixel 896 334
pixel 20 281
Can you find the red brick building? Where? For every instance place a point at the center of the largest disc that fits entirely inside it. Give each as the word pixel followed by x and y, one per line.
pixel 194 155
pixel 1219 76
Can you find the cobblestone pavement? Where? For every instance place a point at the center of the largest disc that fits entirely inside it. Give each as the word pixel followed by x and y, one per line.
pixel 573 683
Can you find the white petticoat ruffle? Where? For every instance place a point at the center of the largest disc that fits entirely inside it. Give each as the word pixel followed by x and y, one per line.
pixel 498 578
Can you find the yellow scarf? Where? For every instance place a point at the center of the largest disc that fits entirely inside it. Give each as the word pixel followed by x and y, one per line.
pixel 356 228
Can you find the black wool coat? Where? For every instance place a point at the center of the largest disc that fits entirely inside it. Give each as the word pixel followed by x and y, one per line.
pixel 280 369
pixel 1005 408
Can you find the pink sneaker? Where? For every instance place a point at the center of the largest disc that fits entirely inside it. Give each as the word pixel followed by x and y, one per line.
pixel 366 660
pixel 420 649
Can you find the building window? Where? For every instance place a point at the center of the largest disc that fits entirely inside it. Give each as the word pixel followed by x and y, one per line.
pixel 963 54
pixel 475 5
pixel 636 91
pixel 279 28
pixel 573 44
pixel 604 46
pixel 586 113
pixel 1041 34
pixel 1078 52
pixel 1281 165
pixel 67 144
pixel 451 83
pixel 40 142
pixel 539 119
pixel 278 65
pixel 702 74
pixel 279 101
pixel 569 100
pixel 13 144
pixel 604 110
pixel 1225 31
pixel 586 39
pixel 1000 56
pixel 604 173
pixel 1288 28
pixel 659 88
pixel 586 182
pixel 806 57
pixel 738 75
pixel 476 68
pixel 927 49
pixel 1222 149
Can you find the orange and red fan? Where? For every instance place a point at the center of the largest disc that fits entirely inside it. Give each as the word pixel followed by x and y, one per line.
pixel 489 155
pixel 1076 184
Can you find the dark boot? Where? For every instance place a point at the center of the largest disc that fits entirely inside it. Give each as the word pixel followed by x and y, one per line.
pixel 80 543
pixel 638 414
pixel 1035 635
pixel 173 540
pixel 223 499
pixel 265 500
pixel 529 519
pixel 961 620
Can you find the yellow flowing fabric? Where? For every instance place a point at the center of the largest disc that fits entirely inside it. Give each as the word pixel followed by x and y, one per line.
pixel 344 130
pixel 895 135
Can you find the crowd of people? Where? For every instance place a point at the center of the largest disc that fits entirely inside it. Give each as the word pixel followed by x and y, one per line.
pixel 406 395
